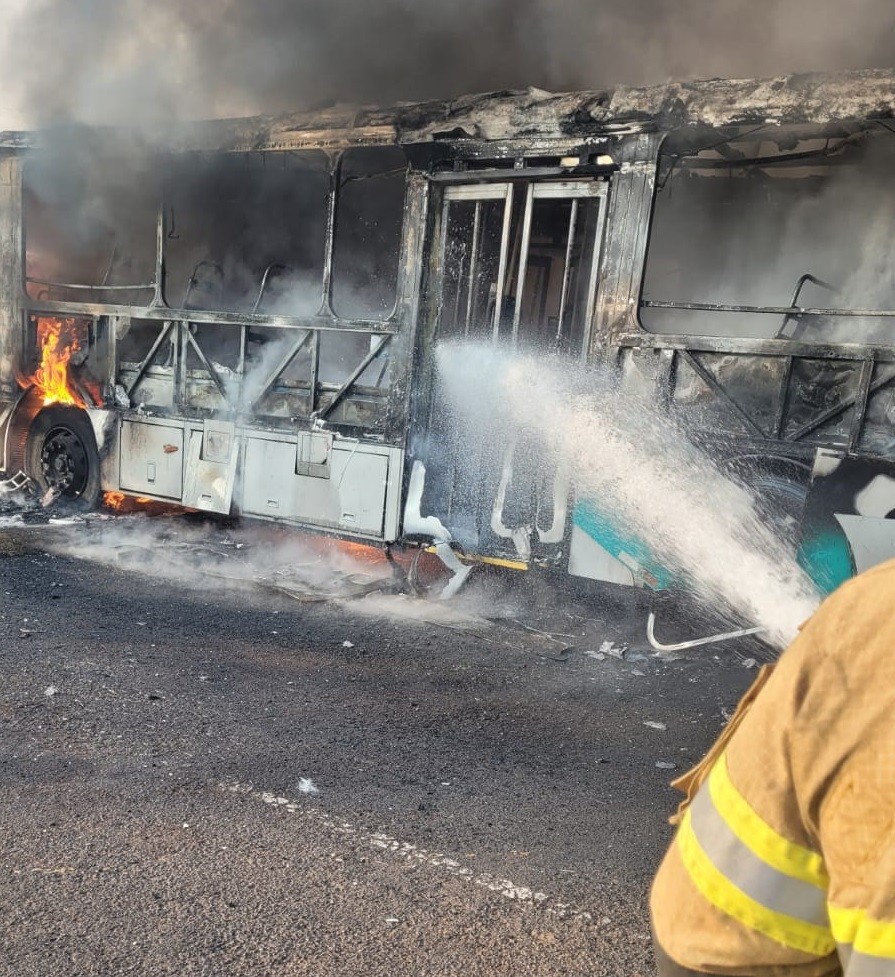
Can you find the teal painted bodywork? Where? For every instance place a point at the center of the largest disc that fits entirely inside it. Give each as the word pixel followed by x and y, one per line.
pixel 608 534
pixel 827 558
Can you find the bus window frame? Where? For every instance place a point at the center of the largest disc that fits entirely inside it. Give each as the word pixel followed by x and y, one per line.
pixel 383 330
pixel 160 302
pixel 735 345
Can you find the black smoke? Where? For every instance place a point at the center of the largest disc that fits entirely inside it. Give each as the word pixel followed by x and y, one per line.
pixel 147 61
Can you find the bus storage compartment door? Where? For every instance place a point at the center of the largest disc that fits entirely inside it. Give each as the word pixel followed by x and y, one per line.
pixel 333 485
pixel 361 478
pixel 151 459
pixel 211 467
pixel 314 455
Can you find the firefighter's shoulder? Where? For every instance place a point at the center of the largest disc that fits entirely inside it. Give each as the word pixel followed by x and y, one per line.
pixel 878 581
pixel 858 618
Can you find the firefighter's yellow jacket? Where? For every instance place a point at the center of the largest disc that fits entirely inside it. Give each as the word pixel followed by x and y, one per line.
pixel 784 858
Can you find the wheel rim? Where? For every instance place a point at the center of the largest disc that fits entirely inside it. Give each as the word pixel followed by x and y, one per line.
pixel 64 462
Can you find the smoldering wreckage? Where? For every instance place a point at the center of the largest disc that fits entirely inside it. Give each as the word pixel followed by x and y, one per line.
pixel 261 317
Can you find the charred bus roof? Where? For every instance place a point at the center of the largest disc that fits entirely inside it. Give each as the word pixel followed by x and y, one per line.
pixel 536 118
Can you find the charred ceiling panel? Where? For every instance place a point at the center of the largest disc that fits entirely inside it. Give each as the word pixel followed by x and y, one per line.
pixel 537 117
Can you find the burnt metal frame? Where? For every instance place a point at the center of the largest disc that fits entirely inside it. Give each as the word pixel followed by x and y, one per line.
pixel 629 333
pixel 574 191
pixel 867 387
pixel 477 193
pixel 182 322
pixel 179 330
pixel 499 188
pixel 689 348
pixel 790 311
pixel 496 186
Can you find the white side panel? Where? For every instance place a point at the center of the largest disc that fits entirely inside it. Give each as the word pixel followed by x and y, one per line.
pixel 877 498
pixel 103 424
pixel 211 467
pixel 354 492
pixel 360 482
pixel 105 429
pixel 872 541
pixel 151 459
pixel 588 559
pixel 267 489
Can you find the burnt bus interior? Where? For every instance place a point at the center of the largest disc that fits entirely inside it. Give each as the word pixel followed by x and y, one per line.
pixel 769 284
pixel 282 289
pixel 283 268
pixel 519 263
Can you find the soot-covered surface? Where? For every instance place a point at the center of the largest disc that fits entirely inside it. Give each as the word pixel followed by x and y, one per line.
pixel 486 802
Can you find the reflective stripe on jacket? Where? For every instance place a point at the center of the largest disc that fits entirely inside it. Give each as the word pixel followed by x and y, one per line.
pixel 784 859
pixel 752 874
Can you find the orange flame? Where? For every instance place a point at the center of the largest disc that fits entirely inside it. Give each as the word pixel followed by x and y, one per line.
pixel 114 500
pixel 119 502
pixel 58 339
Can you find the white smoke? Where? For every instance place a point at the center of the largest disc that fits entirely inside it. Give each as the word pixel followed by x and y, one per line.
pixel 747 240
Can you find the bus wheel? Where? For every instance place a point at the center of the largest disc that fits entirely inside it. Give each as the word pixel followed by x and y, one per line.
pixel 782 502
pixel 780 489
pixel 61 457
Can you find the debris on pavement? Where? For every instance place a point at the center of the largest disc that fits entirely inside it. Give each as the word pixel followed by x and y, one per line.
pixel 613 650
pixel 608 649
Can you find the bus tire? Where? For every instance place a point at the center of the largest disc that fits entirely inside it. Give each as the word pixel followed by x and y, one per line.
pixel 61 456
pixel 780 489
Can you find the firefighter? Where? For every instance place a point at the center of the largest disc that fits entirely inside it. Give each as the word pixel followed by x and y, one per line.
pixel 784 859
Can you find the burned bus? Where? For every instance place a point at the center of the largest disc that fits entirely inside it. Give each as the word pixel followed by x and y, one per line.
pixel 242 316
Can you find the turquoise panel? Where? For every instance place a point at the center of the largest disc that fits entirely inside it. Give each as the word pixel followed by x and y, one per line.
pixel 826 557
pixel 604 530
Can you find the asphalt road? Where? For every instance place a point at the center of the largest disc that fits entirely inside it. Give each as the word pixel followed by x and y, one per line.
pixel 197 780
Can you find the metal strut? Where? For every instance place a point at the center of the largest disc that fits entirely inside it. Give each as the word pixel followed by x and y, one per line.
pixel 272 269
pixel 696 642
pixel 15 483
